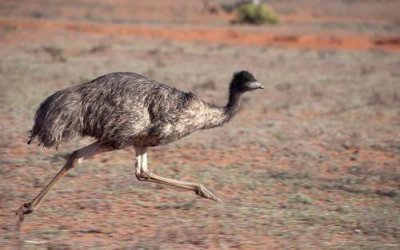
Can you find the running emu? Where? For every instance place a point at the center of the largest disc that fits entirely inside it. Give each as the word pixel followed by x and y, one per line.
pixel 127 109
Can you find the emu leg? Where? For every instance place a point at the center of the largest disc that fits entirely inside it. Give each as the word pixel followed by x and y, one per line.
pixel 143 174
pixel 73 159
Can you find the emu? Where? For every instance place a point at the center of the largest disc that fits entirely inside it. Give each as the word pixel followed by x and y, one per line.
pixel 127 109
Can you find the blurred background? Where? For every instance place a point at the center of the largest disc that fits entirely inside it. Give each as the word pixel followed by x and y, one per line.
pixel 310 162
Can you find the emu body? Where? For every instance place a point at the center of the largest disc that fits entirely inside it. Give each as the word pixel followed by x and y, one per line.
pixel 127 109
pixel 123 109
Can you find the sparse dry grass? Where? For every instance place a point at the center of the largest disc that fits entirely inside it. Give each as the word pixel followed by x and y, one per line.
pixel 310 163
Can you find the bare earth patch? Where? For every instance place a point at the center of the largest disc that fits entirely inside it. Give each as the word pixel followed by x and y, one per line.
pixel 312 162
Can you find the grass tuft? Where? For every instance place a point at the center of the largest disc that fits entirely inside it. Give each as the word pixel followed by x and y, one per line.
pixel 256 14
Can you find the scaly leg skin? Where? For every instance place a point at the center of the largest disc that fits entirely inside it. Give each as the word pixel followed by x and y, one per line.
pixel 74 158
pixel 143 174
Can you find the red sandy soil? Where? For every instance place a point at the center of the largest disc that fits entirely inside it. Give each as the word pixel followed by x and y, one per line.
pixel 163 21
pixel 221 35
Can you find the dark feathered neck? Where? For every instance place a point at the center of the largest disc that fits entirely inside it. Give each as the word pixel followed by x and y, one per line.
pixel 232 106
pixel 216 116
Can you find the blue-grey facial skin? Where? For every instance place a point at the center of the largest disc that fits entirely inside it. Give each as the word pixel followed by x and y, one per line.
pixel 244 81
pixel 255 85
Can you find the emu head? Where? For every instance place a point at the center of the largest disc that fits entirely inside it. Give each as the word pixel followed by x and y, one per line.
pixel 244 81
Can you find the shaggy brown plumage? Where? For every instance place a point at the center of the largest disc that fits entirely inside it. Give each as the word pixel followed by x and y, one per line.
pixel 125 109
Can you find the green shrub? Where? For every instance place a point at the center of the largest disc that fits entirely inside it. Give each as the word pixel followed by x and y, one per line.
pixel 256 14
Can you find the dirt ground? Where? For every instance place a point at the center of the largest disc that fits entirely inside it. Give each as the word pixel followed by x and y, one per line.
pixel 310 162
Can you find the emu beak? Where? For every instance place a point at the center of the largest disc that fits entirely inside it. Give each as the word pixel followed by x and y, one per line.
pixel 258 85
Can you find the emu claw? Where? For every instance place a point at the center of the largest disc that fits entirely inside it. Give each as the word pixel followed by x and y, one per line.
pixel 205 193
pixel 24 209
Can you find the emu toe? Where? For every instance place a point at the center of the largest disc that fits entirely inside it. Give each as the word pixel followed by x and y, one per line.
pixel 24 209
pixel 205 193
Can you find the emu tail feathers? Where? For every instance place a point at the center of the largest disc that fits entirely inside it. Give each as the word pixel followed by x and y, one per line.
pixel 57 119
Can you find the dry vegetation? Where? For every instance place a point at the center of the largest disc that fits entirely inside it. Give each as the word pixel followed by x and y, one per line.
pixel 312 162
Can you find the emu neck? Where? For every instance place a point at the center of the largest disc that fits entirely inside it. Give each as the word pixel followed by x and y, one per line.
pixel 233 105
pixel 215 116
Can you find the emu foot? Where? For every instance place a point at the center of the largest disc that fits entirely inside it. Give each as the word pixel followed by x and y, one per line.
pixel 24 209
pixel 205 193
